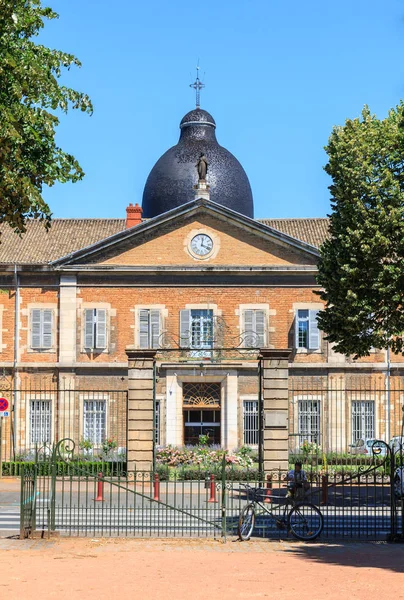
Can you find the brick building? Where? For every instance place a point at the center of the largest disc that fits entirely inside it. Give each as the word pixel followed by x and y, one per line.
pixel 196 278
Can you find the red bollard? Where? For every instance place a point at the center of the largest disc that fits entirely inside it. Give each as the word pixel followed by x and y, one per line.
pixel 212 489
pixel 324 489
pixel 268 493
pixel 100 489
pixel 156 487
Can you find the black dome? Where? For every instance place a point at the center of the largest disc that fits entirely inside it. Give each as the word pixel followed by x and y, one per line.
pixel 172 179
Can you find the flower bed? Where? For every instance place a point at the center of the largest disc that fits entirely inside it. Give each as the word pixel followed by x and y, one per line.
pixel 203 457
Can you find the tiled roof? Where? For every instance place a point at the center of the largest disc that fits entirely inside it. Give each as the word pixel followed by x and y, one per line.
pixel 38 246
pixel 313 231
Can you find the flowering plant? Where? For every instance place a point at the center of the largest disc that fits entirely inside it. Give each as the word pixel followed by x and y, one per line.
pixel 108 445
pixel 310 448
pixel 202 456
pixel 85 444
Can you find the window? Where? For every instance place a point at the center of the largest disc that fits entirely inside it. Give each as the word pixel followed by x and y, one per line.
pixel 309 421
pixel 254 330
pixel 94 427
pixel 41 328
pixel 363 420
pixel 251 422
pixel 157 424
pixel 149 328
pixel 41 419
pixel 196 328
pixel 95 334
pixel 307 332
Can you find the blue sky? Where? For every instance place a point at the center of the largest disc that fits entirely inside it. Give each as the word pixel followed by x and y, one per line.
pixel 279 75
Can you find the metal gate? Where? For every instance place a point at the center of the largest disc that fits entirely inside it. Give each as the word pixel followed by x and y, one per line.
pixel 348 453
pixel 58 493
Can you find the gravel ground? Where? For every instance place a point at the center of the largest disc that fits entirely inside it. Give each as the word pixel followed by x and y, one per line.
pixel 198 569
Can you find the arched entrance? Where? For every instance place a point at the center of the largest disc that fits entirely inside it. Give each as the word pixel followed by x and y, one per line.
pixel 201 410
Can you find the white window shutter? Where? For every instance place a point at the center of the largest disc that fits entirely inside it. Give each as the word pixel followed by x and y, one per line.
pixel 260 328
pixel 185 328
pixel 248 328
pixel 144 341
pixel 296 321
pixel 155 328
pixel 101 328
pixel 47 322
pixel 36 328
pixel 314 333
pixel 89 328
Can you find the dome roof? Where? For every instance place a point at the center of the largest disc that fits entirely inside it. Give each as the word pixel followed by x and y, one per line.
pixel 197 116
pixel 171 181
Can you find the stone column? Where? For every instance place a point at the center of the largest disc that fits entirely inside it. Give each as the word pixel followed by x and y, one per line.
pixel 275 394
pixel 140 424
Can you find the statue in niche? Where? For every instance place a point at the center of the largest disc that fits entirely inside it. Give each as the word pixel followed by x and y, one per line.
pixel 202 166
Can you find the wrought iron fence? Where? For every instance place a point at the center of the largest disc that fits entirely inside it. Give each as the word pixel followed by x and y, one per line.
pixel 340 414
pixel 44 412
pixel 357 502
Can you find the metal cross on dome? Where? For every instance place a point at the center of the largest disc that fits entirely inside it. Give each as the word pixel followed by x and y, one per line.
pixel 197 86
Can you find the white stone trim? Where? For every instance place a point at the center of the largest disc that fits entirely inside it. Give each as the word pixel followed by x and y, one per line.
pixel 214 237
pixel 268 313
pixel 68 319
pixel 306 306
pixel 110 312
pixel 51 396
pixel 135 325
pixel 2 331
pixel 55 320
pixel 295 414
pixel 93 396
pixel 247 398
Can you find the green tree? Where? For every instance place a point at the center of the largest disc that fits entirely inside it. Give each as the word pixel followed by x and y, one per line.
pixel 361 266
pixel 30 99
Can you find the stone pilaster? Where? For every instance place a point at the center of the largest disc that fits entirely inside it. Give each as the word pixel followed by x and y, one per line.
pixel 275 394
pixel 140 409
pixel 67 319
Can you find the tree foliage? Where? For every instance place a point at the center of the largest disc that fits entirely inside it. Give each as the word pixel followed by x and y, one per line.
pixel 30 98
pixel 362 264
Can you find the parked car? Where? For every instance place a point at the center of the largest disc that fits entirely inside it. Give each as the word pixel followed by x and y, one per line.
pixel 362 446
pixel 397 443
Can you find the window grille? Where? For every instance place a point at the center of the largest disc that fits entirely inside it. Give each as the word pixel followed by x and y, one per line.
pixel 201 394
pixel 363 420
pixel 197 329
pixel 251 422
pixel 41 421
pixel 309 421
pixel 94 427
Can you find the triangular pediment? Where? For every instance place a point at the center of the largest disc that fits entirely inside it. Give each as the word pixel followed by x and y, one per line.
pixel 167 241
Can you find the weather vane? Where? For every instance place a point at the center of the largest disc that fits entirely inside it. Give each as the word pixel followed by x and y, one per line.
pixel 197 86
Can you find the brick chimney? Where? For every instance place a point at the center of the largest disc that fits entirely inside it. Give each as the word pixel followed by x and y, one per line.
pixel 133 215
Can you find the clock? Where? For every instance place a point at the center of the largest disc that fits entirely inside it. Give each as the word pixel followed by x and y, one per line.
pixel 201 244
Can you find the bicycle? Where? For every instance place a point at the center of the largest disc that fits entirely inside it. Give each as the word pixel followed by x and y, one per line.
pixel 304 520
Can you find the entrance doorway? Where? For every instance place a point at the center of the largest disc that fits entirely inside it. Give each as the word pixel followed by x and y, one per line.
pixel 201 411
pixel 201 422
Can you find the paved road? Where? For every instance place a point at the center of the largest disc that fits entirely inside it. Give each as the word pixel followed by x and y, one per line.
pixel 160 521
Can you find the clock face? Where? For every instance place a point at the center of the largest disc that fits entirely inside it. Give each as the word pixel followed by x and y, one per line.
pixel 201 244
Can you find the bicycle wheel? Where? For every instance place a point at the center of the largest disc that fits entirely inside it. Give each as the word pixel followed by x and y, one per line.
pixel 246 522
pixel 305 521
